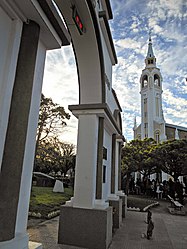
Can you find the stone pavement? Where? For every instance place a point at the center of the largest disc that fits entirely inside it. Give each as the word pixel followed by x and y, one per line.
pixel 170 232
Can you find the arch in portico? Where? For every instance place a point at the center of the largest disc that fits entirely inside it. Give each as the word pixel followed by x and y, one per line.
pixel 88 52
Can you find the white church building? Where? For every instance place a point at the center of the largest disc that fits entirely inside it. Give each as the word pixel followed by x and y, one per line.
pixel 153 124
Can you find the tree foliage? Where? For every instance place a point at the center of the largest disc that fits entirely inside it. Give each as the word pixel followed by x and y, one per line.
pixel 51 119
pixel 51 154
pixel 147 157
pixel 136 156
pixel 172 157
pixel 51 158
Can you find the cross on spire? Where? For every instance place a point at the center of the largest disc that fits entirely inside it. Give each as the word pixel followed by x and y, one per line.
pixel 149 35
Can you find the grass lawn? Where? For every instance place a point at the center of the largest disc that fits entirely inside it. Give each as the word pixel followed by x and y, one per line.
pixel 138 202
pixel 44 201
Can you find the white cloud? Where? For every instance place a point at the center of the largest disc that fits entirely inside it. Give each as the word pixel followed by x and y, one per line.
pixel 175 108
pixel 127 43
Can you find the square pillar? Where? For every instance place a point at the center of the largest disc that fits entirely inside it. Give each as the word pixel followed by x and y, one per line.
pixel 86 162
pixel 88 228
pixel 86 220
pixel 16 135
pixel 123 197
pixel 117 212
pixel 88 169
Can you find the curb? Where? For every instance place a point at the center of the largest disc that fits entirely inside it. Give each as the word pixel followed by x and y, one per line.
pixel 151 205
pixel 144 209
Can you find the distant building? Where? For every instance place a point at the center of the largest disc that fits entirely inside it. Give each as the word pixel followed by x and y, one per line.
pixel 153 124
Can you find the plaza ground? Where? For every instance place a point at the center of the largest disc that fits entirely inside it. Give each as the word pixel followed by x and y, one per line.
pixel 170 231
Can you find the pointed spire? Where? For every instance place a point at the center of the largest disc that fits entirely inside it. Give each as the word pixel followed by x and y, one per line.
pixel 150 60
pixel 150 53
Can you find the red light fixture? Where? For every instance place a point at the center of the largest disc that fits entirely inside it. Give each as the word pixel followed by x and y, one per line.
pixel 78 21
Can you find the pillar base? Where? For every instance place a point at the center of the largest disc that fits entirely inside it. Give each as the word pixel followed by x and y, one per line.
pixel 88 228
pixel 124 203
pixel 20 241
pixel 117 212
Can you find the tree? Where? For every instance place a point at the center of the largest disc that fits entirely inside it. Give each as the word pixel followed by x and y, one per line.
pixel 47 158
pixel 68 157
pixel 172 157
pixel 136 156
pixel 51 119
pixel 54 156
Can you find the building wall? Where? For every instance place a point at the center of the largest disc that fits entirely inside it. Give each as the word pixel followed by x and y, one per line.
pixel 170 133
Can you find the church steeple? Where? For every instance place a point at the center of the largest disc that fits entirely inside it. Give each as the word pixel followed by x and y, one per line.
pixel 152 119
pixel 150 60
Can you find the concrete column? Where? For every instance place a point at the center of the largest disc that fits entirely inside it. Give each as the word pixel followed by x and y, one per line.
pixel 119 166
pixel 28 162
pixel 114 198
pixel 120 193
pixel 14 149
pixel 113 166
pixel 83 228
pixel 99 174
pixel 86 161
pixel 117 212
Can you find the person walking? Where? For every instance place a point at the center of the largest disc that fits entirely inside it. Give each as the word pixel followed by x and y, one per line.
pixel 150 228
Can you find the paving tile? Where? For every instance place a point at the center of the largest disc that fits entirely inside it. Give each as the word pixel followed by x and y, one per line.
pixel 170 232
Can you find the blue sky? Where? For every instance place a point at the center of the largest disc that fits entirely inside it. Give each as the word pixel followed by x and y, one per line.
pixel 132 20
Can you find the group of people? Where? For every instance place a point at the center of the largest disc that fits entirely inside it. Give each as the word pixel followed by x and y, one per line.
pixel 155 189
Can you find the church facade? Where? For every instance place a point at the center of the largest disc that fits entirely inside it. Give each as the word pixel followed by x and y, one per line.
pixel 153 124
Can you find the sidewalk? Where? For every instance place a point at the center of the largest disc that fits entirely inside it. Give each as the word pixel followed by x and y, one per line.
pixel 170 232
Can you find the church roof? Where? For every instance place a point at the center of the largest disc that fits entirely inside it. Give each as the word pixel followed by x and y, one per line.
pixel 181 128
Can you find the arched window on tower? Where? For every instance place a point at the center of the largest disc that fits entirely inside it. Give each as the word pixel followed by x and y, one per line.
pixel 144 81
pixel 157 136
pixel 156 80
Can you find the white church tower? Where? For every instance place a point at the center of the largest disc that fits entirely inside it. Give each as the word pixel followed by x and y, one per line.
pixel 152 119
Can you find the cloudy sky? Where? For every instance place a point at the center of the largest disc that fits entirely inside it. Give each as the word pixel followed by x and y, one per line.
pixel 132 20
